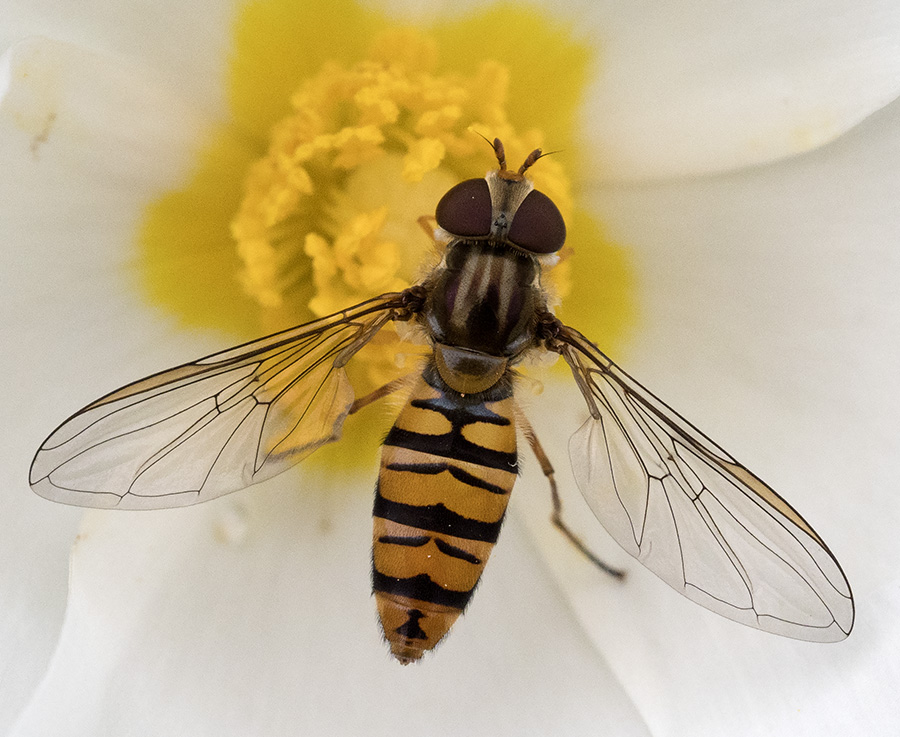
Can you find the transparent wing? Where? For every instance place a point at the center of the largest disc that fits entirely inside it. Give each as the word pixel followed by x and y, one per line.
pixel 214 426
pixel 695 516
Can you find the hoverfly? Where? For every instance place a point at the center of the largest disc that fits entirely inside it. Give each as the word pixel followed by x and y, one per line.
pixel 667 493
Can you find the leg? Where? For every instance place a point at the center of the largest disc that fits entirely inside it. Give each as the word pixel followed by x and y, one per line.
pixel 556 516
pixel 427 223
pixel 379 393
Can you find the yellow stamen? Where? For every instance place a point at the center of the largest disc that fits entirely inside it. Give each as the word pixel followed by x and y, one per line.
pixel 347 124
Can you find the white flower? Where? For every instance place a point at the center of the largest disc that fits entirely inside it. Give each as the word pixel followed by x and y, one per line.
pixel 767 313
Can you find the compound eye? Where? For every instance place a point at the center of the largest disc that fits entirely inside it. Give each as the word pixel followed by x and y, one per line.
pixel 465 210
pixel 538 225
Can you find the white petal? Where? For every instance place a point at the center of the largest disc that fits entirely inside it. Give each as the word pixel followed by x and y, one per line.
pixel 686 89
pixel 86 142
pixel 253 615
pixel 33 553
pixel 184 44
pixel 69 113
pixel 690 88
pixel 771 316
pixel 83 143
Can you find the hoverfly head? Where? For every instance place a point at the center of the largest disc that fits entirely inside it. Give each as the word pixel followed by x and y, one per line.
pixel 504 207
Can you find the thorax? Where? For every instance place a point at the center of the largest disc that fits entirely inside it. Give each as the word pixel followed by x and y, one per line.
pixel 484 299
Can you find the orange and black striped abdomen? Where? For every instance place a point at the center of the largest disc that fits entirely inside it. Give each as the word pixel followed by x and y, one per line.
pixel 447 468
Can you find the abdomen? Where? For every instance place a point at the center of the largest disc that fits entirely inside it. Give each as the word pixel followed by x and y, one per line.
pixel 447 468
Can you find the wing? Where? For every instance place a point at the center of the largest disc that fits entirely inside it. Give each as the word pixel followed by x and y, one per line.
pixel 695 516
pixel 214 426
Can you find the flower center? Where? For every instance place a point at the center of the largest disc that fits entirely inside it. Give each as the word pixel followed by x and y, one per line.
pixel 329 213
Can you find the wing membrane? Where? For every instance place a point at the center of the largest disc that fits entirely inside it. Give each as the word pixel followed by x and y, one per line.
pixel 695 516
pixel 214 426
